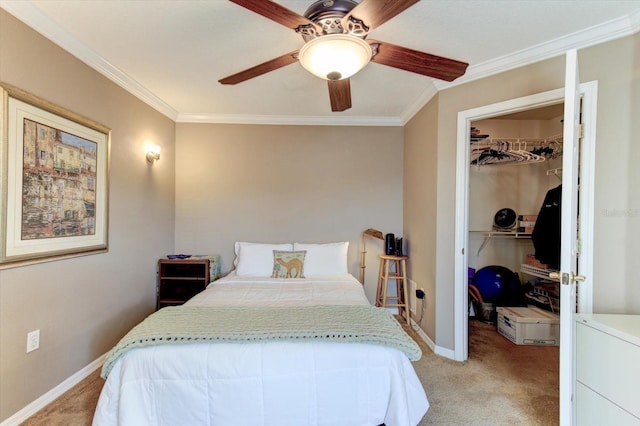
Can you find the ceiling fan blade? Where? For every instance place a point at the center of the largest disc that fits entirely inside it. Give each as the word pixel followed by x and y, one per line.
pixel 418 62
pixel 263 68
pixel 340 94
pixel 277 13
pixel 376 12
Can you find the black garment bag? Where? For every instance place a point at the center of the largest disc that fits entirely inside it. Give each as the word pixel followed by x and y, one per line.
pixel 546 232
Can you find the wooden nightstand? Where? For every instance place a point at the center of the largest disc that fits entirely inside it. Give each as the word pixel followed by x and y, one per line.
pixel 181 279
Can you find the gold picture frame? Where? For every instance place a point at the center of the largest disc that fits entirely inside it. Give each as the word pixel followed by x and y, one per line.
pixel 54 166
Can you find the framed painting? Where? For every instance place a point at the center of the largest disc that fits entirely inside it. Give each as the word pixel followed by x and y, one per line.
pixel 55 169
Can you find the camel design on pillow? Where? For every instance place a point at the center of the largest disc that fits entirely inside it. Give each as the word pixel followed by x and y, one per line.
pixel 292 265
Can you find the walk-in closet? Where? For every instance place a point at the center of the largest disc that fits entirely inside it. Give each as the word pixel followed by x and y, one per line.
pixel 514 240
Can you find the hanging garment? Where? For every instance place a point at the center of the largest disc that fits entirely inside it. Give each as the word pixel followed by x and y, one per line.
pixel 546 232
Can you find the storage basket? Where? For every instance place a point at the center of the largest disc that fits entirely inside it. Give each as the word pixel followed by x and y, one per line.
pixel 485 312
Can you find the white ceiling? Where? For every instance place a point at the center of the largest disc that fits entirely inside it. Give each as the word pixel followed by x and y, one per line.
pixel 171 53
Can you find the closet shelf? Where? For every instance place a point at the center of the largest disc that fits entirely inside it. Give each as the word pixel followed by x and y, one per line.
pixel 491 151
pixel 537 272
pixel 488 235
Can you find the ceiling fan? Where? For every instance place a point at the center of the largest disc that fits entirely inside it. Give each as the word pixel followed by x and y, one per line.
pixel 336 45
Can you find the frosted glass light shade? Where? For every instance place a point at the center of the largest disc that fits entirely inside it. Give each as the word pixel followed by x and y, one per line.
pixel 335 56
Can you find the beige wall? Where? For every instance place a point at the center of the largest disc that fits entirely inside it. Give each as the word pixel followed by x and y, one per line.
pixel 616 66
pixel 286 183
pixel 83 305
pixel 419 207
pixel 617 198
pixel 282 183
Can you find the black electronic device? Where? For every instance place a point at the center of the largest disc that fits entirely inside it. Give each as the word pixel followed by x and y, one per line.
pixel 399 248
pixel 390 245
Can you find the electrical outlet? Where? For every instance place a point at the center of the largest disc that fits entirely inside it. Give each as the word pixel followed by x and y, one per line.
pixel 420 293
pixel 412 300
pixel 33 340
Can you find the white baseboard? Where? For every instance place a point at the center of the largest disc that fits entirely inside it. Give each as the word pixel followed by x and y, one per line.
pixel 54 393
pixel 447 353
pixel 416 327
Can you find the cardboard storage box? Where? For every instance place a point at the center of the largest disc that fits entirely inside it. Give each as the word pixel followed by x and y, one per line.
pixel 529 326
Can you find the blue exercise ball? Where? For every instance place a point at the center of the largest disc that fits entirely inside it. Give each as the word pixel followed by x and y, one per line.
pixel 494 283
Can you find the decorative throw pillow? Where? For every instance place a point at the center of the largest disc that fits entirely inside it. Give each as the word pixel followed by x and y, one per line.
pixel 288 264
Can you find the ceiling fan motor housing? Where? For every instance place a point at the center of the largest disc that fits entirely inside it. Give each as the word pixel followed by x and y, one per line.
pixel 328 14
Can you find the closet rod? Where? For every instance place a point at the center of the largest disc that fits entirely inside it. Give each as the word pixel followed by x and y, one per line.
pixel 492 151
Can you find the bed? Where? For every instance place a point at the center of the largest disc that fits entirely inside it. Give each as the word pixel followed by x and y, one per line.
pixel 316 370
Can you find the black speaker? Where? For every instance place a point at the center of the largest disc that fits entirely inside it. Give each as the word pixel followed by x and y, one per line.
pixel 390 245
pixel 399 249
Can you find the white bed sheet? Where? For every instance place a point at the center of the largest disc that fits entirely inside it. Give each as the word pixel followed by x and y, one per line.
pixel 234 290
pixel 266 383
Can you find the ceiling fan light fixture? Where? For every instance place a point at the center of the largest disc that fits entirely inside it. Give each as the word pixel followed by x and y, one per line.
pixel 335 56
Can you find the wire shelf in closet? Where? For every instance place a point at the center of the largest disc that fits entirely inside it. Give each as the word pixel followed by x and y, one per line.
pixel 488 235
pixel 538 272
pixel 494 151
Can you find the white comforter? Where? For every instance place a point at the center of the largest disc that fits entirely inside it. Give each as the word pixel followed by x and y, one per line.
pixel 267 383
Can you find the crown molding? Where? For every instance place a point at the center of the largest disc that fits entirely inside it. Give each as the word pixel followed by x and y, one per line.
pixel 424 98
pixel 607 31
pixel 34 18
pixel 634 20
pixel 290 120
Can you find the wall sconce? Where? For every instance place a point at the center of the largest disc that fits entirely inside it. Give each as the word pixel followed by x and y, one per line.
pixel 153 153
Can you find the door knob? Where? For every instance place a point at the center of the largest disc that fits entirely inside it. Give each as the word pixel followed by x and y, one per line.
pixel 565 278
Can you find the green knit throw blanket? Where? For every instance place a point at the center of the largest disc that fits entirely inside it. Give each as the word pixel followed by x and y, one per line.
pixel 194 324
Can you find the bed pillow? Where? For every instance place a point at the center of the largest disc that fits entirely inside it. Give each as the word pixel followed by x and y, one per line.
pixel 324 259
pixel 256 259
pixel 288 264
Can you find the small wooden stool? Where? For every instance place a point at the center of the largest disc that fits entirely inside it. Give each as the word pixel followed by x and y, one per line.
pixel 400 276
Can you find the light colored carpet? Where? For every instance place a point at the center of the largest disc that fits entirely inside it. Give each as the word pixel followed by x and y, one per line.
pixel 501 384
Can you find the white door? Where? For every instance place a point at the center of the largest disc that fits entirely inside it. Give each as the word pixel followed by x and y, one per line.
pixel 573 93
pixel 569 234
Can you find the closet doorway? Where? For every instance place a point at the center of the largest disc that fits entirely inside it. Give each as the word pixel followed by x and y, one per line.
pixel 515 164
pixel 463 248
